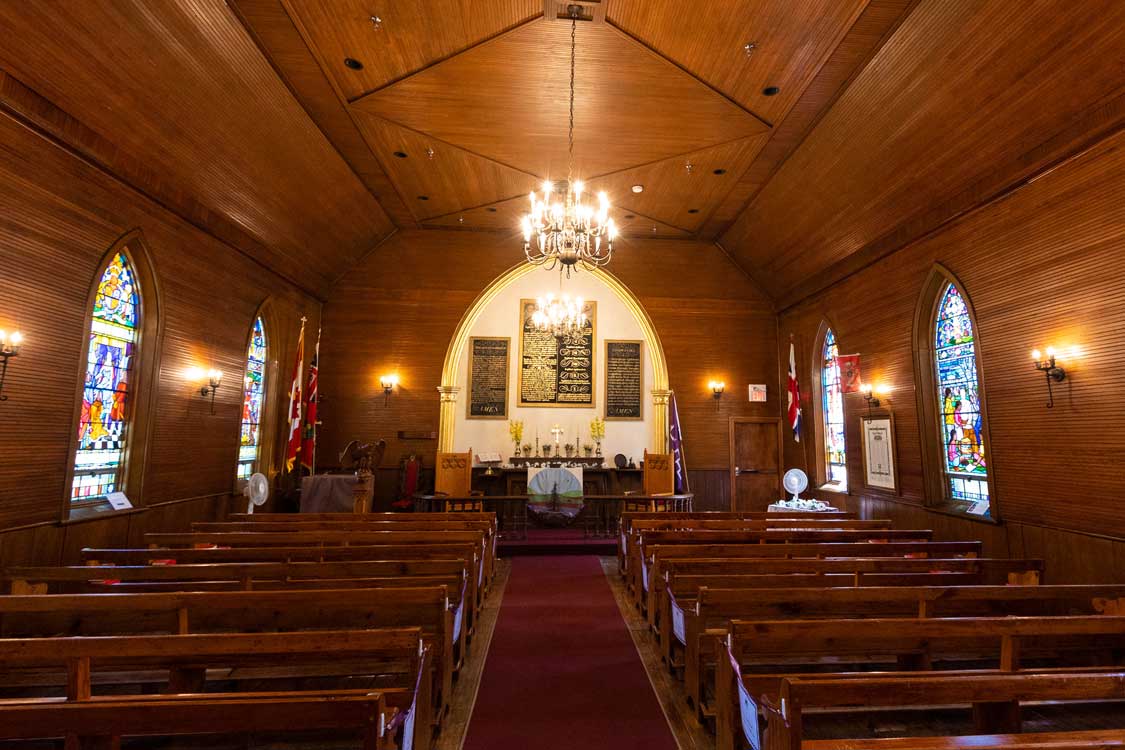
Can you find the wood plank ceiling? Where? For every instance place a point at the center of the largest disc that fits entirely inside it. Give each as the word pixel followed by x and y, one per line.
pixel 849 128
pixel 464 104
pixel 180 88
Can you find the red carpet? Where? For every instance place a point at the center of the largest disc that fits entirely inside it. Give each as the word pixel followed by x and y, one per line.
pixel 562 671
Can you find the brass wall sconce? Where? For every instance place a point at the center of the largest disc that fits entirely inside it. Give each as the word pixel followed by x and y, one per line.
pixel 9 347
pixel 717 387
pixel 1051 371
pixel 214 380
pixel 388 382
pixel 871 395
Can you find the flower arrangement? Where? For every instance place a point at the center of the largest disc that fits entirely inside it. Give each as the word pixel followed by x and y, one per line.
pixel 597 429
pixel 515 432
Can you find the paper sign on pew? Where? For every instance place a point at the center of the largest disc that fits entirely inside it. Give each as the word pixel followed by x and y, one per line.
pixel 118 501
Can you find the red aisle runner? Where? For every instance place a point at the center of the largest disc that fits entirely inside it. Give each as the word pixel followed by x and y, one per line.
pixel 562 671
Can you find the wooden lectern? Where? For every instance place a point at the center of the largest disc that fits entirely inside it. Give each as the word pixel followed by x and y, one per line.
pixel 660 476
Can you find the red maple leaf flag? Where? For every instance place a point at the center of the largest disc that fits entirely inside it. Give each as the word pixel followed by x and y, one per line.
pixel 293 447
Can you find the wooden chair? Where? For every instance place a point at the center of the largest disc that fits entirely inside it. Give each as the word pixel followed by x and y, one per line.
pixel 453 477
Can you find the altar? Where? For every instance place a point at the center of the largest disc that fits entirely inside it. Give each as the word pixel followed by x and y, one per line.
pixel 596 480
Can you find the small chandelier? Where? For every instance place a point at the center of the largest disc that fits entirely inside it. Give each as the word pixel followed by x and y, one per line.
pixel 564 231
pixel 562 318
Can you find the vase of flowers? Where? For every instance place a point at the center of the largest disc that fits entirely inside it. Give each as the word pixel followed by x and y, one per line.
pixel 569 450
pixel 526 449
pixel 597 432
pixel 588 450
pixel 515 432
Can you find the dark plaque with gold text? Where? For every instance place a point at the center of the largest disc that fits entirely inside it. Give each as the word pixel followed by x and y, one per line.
pixel 624 380
pixel 556 372
pixel 488 377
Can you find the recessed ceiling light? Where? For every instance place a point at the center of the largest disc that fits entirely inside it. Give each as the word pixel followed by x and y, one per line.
pixel 630 216
pixel 770 90
pixel 693 210
pixel 353 63
pixel 720 170
pixel 491 209
pixel 423 197
pixel 638 188
pixel 400 154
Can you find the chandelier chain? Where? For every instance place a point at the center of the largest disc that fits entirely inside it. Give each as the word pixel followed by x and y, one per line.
pixel 570 134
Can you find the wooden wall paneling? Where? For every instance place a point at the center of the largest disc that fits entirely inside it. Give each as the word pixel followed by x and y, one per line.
pixel 61 216
pixel 711 488
pixel 877 21
pixel 969 77
pixel 243 147
pixel 281 42
pixel 398 311
pixel 1034 266
pixel 31 545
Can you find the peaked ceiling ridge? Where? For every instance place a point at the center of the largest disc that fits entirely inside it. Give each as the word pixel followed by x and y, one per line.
pixel 669 61
pixel 680 155
pixel 445 142
pixel 445 59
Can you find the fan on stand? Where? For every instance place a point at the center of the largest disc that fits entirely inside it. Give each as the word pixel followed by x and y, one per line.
pixel 256 491
pixel 795 481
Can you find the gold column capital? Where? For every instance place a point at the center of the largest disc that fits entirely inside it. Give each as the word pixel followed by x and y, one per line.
pixel 448 393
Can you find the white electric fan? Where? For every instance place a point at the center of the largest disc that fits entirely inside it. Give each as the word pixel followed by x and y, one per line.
pixel 795 481
pixel 256 491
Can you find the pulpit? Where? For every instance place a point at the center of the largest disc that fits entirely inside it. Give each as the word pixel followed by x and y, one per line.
pixel 453 477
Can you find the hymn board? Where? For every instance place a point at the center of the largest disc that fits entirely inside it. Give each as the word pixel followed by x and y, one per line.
pixel 488 377
pixel 556 372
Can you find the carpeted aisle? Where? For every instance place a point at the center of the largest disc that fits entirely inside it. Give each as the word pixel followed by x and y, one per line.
pixel 562 671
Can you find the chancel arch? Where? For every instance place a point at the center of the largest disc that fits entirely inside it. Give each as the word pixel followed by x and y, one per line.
pixel 495 312
pixel 952 406
pixel 116 380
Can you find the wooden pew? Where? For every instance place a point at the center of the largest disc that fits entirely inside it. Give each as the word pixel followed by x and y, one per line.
pixel 707 617
pixel 247 611
pixel 188 663
pixel 366 524
pixel 689 574
pixel 781 649
pixel 995 700
pixel 329 539
pixel 1089 739
pixel 97 725
pixel 255 576
pixel 625 523
pixel 640 550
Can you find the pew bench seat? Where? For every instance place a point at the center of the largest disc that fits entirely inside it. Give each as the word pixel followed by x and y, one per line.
pixel 1076 740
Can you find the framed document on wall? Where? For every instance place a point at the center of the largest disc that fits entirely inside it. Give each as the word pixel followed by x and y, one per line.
pixel 877 440
pixel 556 372
pixel 624 380
pixel 488 377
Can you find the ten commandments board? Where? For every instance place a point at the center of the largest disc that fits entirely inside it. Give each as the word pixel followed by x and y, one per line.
pixel 624 380
pixel 556 372
pixel 488 377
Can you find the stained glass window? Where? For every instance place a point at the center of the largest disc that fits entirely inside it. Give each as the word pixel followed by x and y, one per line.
pixel 104 423
pixel 252 401
pixel 833 405
pixel 960 416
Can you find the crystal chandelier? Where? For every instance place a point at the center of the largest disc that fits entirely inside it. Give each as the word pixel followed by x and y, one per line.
pixel 563 318
pixel 562 230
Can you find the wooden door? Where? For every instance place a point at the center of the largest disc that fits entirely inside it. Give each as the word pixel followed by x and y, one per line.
pixel 755 462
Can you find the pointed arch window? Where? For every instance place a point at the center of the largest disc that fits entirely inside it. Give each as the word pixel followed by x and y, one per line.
pixel 960 414
pixel 104 421
pixel 253 397
pixel 832 412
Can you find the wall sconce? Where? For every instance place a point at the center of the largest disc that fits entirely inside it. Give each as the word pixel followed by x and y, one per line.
pixel 9 347
pixel 871 396
pixel 214 380
pixel 1052 371
pixel 717 387
pixel 388 382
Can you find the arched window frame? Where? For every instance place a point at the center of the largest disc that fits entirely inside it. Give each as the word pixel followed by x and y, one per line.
pixel 820 461
pixel 256 325
pixel 267 427
pixel 143 388
pixel 935 482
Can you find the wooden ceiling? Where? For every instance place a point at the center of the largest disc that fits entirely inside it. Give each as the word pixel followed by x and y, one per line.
pixel 889 116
